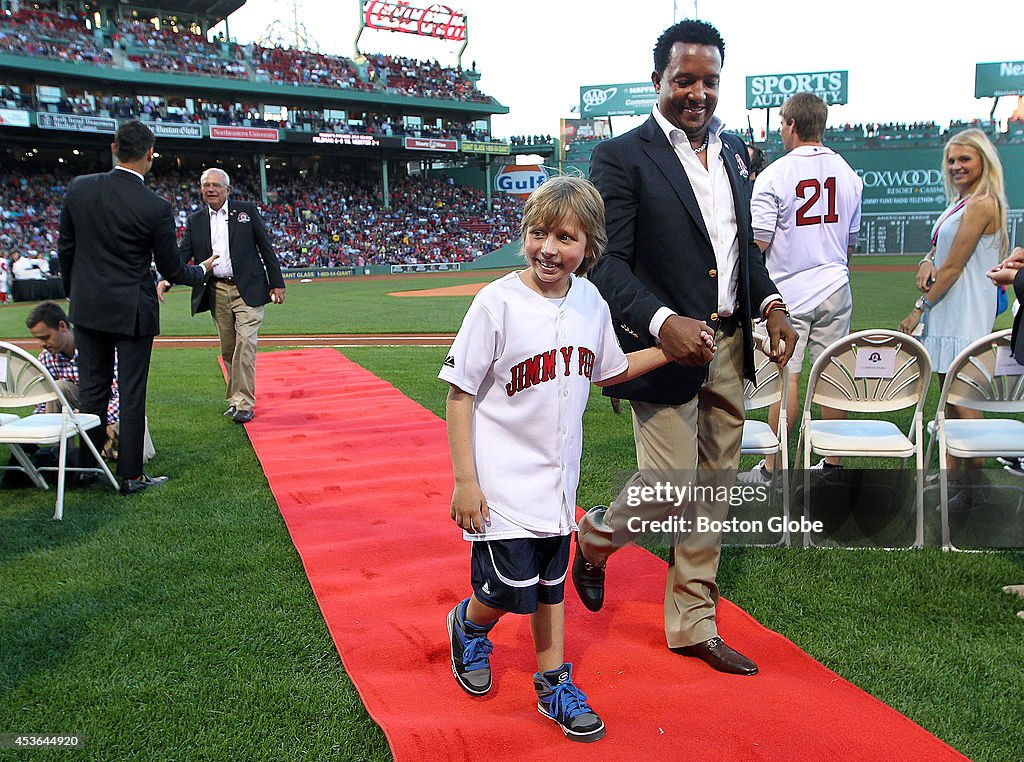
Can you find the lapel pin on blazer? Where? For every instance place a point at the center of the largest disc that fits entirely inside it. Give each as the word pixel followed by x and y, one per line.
pixel 742 166
pixel 243 217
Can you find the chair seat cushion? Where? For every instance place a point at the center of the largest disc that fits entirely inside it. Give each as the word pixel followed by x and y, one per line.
pixel 759 438
pixel 7 418
pixel 44 428
pixel 859 437
pixel 986 437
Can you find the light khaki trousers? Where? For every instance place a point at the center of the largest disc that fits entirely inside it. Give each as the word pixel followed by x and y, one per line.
pixel 238 326
pixel 695 442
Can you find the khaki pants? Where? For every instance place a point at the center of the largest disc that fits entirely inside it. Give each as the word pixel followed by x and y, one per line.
pixel 700 442
pixel 238 326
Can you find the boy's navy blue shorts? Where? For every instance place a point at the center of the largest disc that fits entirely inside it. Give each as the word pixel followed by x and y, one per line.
pixel 516 575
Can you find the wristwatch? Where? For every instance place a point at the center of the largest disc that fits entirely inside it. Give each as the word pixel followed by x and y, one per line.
pixel 922 304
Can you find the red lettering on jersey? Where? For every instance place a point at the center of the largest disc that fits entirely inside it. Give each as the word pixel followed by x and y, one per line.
pixel 587 358
pixel 812 185
pixel 532 371
pixel 566 358
pixel 549 359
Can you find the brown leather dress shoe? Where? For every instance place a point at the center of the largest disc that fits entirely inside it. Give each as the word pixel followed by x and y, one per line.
pixel 719 656
pixel 587 579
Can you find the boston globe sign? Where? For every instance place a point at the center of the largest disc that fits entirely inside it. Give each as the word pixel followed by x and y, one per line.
pixel 772 90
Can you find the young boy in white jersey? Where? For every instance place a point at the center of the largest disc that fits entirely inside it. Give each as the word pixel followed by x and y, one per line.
pixel 520 371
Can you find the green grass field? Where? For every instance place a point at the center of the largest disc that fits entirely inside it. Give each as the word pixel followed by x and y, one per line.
pixel 179 624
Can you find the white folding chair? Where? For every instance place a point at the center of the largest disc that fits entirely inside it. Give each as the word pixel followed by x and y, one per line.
pixel 871 372
pixel 25 382
pixel 982 377
pixel 770 386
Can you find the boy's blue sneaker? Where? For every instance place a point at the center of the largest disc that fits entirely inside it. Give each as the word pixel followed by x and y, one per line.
pixel 559 699
pixel 471 651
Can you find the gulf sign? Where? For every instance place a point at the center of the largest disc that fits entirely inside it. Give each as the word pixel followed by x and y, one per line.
pixel 520 179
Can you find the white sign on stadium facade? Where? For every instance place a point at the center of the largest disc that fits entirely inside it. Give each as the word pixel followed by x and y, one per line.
pixel 75 123
pixel 432 144
pixel 435 20
pixel 10 117
pixel 772 90
pixel 258 134
pixel 175 130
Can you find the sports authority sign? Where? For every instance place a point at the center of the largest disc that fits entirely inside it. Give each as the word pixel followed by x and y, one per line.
pixel 994 79
pixel 771 90
pixel 629 99
pixel 435 20
pixel 257 134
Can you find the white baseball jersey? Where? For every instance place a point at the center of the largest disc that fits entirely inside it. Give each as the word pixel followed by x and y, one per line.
pixel 807 205
pixel 530 362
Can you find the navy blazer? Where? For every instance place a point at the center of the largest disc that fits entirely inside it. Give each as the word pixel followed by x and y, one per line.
pixel 660 253
pixel 253 262
pixel 112 226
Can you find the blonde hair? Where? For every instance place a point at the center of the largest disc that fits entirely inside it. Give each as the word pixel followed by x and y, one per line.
pixel 989 185
pixel 572 200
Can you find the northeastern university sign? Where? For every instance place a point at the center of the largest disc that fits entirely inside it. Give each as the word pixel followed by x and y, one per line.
pixel 771 90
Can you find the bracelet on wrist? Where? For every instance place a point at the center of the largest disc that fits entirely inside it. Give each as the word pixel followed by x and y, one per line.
pixel 929 260
pixel 775 306
pixel 922 304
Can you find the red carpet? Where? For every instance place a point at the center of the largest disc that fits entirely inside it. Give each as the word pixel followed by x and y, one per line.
pixel 362 477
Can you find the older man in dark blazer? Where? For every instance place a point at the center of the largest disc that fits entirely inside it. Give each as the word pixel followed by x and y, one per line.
pixel 111 228
pixel 681 262
pixel 245 277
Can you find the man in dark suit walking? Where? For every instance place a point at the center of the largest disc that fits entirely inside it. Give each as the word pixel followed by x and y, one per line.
pixel 245 277
pixel 112 227
pixel 681 262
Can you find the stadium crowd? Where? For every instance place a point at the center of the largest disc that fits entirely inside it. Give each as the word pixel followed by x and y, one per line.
pixel 136 43
pixel 329 223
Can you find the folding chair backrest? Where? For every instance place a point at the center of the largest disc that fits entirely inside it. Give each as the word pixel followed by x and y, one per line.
pixel 23 379
pixel 769 379
pixel 977 377
pixel 894 375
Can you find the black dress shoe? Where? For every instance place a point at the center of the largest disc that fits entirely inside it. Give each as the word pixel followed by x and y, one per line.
pixel 719 656
pixel 131 486
pixel 230 412
pixel 242 416
pixel 587 579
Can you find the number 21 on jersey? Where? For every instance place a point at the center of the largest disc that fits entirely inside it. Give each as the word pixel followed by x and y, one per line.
pixel 810 191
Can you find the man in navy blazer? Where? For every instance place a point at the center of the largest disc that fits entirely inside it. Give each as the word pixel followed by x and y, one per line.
pixel 245 277
pixel 112 226
pixel 681 263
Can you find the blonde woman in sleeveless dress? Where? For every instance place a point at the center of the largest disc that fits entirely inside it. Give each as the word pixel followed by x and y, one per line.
pixel 958 302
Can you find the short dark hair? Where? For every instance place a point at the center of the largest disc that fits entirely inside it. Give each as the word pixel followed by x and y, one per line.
pixel 808 113
pixel 49 313
pixel 132 141
pixel 690 31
